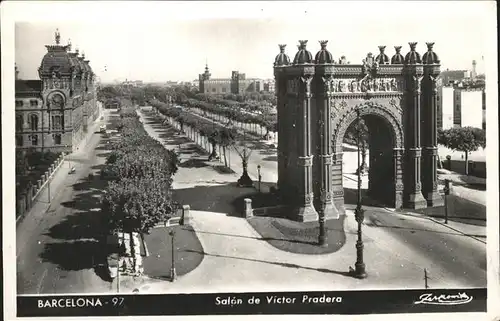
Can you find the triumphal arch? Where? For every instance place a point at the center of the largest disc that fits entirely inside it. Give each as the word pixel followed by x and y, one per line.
pixel 318 98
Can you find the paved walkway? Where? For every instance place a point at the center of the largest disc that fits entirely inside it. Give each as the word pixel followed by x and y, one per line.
pixel 236 259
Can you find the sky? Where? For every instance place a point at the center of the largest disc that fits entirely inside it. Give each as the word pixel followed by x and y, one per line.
pixel 156 42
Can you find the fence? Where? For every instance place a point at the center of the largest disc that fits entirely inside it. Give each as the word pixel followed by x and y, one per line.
pixel 29 197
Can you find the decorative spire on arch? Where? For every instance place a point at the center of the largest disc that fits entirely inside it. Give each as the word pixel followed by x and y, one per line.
pixel 57 36
pixel 69 44
pixel 398 57
pixel 281 59
pixel 382 58
pixel 430 57
pixel 83 54
pixel 413 57
pixel 324 56
pixel 303 56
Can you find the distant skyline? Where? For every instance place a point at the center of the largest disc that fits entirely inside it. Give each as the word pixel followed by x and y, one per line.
pixel 173 49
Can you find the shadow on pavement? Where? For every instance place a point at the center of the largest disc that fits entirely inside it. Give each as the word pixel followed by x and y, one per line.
pixel 218 198
pixel 271 158
pixel 194 163
pixel 80 237
pixel 459 210
pixel 283 264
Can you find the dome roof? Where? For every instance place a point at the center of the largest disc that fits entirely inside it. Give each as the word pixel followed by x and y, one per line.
pixel 430 57
pixel 57 59
pixel 302 56
pixel 398 57
pixel 281 59
pixel 382 58
pixel 75 62
pixel 413 57
pixel 87 65
pixel 323 56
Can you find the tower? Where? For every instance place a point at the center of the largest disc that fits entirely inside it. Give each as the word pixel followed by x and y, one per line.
pixel 473 73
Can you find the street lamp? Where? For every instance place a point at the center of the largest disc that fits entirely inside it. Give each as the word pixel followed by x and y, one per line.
pixel 322 241
pixel 172 268
pixel 359 213
pixel 260 177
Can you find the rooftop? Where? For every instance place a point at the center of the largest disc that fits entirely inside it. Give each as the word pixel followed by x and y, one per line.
pixel 28 86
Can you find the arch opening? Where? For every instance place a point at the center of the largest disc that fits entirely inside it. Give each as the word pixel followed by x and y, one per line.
pixel 381 137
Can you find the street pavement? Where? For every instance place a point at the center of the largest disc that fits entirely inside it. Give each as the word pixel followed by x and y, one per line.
pixel 56 247
pixel 398 247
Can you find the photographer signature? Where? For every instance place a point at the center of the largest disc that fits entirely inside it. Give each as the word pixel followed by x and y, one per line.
pixel 444 299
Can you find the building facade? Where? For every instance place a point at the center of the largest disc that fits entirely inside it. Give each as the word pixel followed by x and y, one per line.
pixel 237 84
pixel 54 112
pixel 461 106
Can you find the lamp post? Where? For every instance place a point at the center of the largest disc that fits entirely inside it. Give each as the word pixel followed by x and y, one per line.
pixel 260 177
pixel 173 275
pixel 447 190
pixel 359 213
pixel 322 241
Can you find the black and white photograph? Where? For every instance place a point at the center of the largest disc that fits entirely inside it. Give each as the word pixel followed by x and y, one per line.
pixel 250 158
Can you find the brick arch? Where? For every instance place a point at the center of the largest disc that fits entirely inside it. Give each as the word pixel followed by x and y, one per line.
pixel 349 116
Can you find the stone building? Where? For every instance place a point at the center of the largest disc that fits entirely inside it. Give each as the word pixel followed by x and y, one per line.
pixel 318 99
pixel 54 112
pixel 237 84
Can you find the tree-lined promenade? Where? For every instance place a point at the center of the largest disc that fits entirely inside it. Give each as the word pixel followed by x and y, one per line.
pixel 140 171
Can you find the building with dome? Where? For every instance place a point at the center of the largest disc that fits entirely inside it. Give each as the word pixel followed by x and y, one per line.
pixel 54 112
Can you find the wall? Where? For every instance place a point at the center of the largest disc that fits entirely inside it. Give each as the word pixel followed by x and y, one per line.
pixel 26 202
pixel 217 86
pixel 471 108
pixel 447 107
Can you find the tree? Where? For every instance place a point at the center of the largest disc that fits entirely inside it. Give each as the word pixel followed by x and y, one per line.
pixel 351 137
pixel 22 165
pixel 226 139
pixel 244 152
pixel 463 139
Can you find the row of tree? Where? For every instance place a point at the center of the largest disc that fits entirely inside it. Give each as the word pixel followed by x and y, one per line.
pixel 224 136
pixel 140 171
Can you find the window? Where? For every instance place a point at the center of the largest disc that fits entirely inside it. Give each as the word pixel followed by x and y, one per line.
pixel 19 123
pixel 213 89
pixel 57 122
pixel 223 89
pixel 19 103
pixel 34 103
pixel 33 122
pixel 57 139
pixel 34 140
pixel 19 140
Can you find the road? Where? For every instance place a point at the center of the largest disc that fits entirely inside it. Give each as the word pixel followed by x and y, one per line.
pixel 456 256
pixel 58 250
